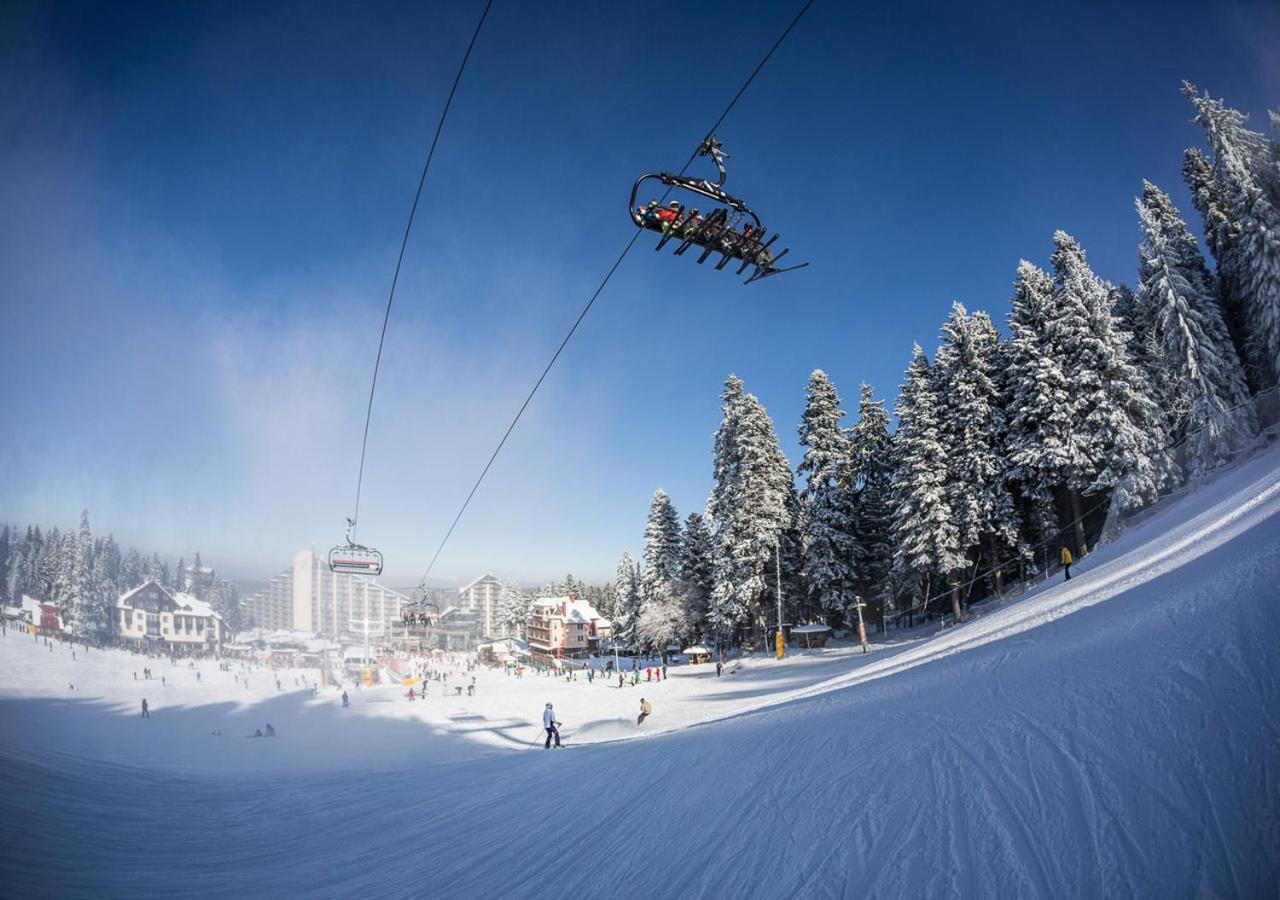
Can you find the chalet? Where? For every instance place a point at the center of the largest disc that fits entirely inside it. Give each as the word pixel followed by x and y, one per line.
pixel 155 618
pixel 565 626
pixel 35 616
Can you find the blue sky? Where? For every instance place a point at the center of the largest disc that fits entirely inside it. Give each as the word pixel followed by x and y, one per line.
pixel 202 210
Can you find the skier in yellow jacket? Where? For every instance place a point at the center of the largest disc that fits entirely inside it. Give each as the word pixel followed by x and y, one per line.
pixel 1064 556
pixel 646 710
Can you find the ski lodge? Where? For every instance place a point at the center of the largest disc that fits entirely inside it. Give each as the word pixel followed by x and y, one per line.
pixel 565 626
pixel 152 617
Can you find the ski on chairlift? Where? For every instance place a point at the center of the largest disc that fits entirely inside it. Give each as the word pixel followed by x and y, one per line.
pixel 354 559
pixel 729 228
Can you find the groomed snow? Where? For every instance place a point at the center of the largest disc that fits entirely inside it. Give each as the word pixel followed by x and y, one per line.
pixel 1116 735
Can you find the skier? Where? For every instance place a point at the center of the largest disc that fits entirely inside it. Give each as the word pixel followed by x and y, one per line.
pixel 346 701
pixel 146 710
pixel 271 732
pixel 719 668
pixel 646 710
pixel 619 678
pixel 1064 556
pixel 553 727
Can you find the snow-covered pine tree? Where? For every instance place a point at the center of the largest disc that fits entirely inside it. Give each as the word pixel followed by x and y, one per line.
pixel 133 571
pixel 696 571
pixel 1118 430
pixel 754 505
pixel 871 478
pixel 827 511
pixel 1038 410
pixel 661 607
pixel 926 540
pixel 627 585
pixel 971 420
pixel 6 558
pixel 661 542
pixel 1243 169
pixel 1221 235
pixel 513 608
pixel 1198 376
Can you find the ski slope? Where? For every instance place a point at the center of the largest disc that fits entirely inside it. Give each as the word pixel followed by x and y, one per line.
pixel 1114 735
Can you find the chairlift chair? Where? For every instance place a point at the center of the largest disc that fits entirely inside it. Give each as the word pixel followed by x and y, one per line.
pixel 731 229
pixel 354 559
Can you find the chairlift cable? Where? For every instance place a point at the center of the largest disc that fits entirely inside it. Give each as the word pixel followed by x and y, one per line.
pixel 596 294
pixel 404 243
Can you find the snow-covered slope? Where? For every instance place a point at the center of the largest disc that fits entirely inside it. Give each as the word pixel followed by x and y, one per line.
pixel 1117 735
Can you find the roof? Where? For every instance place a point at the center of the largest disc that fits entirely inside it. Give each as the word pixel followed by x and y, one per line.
pixel 577 611
pixel 809 629
pixel 125 599
pixel 471 584
pixel 699 649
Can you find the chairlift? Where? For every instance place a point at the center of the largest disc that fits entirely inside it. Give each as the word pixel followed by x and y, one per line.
pixel 730 228
pixel 354 559
pixel 420 610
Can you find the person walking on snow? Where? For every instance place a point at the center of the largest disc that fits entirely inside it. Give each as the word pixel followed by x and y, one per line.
pixel 646 710
pixel 346 701
pixel 1064 557
pixel 146 711
pixel 553 727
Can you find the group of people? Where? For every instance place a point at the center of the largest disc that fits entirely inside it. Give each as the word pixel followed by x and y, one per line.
pixel 671 217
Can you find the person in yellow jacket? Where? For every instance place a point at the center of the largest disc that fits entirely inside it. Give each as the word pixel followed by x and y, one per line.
pixel 646 710
pixel 1064 556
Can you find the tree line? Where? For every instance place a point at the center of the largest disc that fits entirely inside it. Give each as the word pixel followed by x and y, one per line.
pixel 1004 446
pixel 83 576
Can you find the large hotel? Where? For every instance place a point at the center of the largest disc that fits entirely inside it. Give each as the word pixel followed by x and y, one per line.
pixel 308 597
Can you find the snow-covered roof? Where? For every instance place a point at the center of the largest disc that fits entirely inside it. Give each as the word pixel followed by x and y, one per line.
pixel 468 586
pixel 698 649
pixel 192 604
pixel 809 629
pixel 576 611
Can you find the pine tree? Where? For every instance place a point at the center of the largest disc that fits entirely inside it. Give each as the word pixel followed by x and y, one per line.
pixel 1038 411
pixel 926 541
pixel 628 590
pixel 696 572
pixel 1198 376
pixel 973 428
pixel 1222 236
pixel 753 506
pixel 1118 429
pixel 6 560
pixel 513 608
pixel 827 510
pixel 661 543
pixel 1244 171
pixel 871 478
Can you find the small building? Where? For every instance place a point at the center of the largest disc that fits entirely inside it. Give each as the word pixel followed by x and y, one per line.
pixel 565 626
pixel 36 616
pixel 153 617
pixel 810 635
pixel 697 654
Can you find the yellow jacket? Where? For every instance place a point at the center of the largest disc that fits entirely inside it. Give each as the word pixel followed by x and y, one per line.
pixel 647 708
pixel 1065 557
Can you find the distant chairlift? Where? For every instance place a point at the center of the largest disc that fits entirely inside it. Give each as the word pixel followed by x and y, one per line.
pixel 731 228
pixel 354 559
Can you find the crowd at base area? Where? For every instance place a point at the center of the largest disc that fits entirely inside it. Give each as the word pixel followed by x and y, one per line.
pixel 665 217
